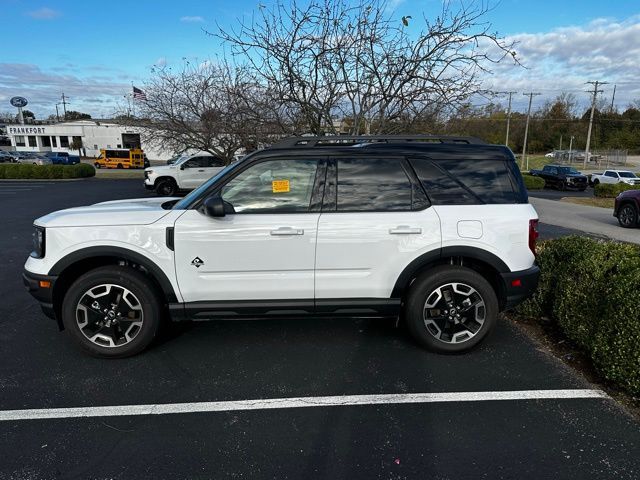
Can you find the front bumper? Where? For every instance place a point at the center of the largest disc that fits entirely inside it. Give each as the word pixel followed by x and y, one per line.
pixel 35 285
pixel 518 286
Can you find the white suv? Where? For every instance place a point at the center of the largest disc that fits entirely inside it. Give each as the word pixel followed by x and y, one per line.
pixel 187 173
pixel 436 230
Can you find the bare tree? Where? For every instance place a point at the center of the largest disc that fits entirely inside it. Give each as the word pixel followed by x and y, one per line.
pixel 213 107
pixel 333 59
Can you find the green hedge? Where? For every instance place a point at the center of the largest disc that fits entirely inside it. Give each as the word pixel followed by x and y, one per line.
pixel 611 190
pixel 590 288
pixel 533 183
pixel 26 170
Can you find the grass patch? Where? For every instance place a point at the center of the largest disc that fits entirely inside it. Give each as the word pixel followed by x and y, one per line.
pixel 591 202
pixel 536 162
pixel 115 173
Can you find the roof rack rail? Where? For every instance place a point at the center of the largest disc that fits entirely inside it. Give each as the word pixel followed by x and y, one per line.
pixel 351 140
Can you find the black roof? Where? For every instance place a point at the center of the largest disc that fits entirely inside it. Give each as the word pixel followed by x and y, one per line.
pixel 439 147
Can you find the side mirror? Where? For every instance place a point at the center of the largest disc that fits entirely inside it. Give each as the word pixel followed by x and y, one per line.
pixel 182 166
pixel 214 206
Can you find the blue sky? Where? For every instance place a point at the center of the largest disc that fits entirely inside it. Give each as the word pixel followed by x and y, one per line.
pixel 94 50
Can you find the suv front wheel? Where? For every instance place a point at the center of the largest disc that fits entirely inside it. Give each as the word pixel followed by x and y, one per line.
pixel 112 312
pixel 450 309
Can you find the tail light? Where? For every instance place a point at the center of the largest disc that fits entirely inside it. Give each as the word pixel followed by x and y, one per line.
pixel 533 235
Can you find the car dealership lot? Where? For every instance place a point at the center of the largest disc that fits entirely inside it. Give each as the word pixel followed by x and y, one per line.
pixel 284 359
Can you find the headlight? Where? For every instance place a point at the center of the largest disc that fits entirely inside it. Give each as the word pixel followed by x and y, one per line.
pixel 39 242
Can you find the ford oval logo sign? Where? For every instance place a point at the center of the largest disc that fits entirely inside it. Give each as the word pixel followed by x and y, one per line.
pixel 19 102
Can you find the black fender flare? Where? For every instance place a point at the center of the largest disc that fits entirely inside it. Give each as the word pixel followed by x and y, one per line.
pixel 116 252
pixel 434 256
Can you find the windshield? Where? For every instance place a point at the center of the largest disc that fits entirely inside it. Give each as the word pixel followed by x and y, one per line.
pixel 627 174
pixel 566 170
pixel 184 203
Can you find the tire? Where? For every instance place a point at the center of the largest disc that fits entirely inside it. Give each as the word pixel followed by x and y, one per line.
pixel 628 216
pixel 97 165
pixel 423 323
pixel 139 305
pixel 595 182
pixel 166 187
pixel 120 166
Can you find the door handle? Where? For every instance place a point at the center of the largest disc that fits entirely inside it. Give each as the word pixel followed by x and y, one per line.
pixel 201 170
pixel 405 229
pixel 287 231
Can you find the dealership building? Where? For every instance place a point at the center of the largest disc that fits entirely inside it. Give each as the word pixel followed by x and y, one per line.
pixel 94 136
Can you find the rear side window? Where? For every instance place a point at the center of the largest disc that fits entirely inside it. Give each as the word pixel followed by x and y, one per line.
pixel 463 182
pixel 372 184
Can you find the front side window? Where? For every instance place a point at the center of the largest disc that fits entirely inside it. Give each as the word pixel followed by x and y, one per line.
pixel 372 184
pixel 196 162
pixel 214 162
pixel 273 186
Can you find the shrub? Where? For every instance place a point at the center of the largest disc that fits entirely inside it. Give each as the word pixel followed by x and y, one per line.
pixel 611 190
pixel 533 183
pixel 590 289
pixel 29 171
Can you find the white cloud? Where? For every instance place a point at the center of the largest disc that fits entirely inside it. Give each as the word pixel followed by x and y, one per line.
pixel 44 13
pixel 94 94
pixel 565 58
pixel 192 19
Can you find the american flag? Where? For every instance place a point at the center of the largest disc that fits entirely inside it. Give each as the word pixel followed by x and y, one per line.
pixel 139 94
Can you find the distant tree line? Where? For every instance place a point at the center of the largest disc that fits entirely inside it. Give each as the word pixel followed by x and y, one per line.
pixel 557 120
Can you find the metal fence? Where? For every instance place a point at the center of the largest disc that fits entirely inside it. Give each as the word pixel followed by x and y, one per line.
pixel 597 158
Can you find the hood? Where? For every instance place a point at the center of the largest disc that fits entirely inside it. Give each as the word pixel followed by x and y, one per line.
pixel 574 175
pixel 138 211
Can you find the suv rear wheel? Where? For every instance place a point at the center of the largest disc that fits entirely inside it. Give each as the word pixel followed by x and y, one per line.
pixel 450 309
pixel 112 312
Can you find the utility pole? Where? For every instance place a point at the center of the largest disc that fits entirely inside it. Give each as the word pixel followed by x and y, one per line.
pixel 526 129
pixel 506 141
pixel 613 97
pixel 560 142
pixel 593 107
pixel 57 113
pixel 570 149
pixel 64 105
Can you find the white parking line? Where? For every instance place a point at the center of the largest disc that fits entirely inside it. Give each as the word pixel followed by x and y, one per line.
pixel 296 402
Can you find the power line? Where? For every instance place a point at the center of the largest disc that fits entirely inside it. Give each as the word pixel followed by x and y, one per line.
pixel 526 128
pixel 593 107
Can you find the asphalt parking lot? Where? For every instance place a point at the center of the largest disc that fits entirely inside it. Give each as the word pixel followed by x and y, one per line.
pixel 455 436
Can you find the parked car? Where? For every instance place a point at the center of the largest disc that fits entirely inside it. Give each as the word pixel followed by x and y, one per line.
pixel 62 158
pixel 7 157
pixel 33 158
pixel 561 177
pixel 614 176
pixel 627 207
pixel 187 173
pixel 550 155
pixel 440 235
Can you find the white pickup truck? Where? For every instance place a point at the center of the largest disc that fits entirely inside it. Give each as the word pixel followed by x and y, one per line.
pixel 614 176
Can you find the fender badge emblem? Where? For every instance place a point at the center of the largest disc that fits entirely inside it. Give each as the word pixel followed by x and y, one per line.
pixel 197 262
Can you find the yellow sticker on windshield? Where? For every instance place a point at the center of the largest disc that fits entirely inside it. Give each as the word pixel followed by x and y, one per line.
pixel 280 186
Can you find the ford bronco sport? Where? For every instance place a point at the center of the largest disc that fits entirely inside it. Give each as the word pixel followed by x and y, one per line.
pixel 437 231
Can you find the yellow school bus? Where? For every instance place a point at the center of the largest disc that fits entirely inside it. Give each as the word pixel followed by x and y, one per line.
pixel 120 158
